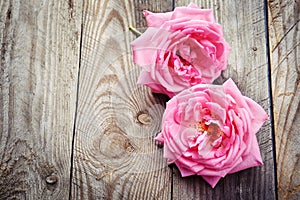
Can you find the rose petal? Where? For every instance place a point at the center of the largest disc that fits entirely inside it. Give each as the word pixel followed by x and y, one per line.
pixel 143 49
pixel 231 89
pixel 145 79
pixel 212 180
pixel 260 114
pixel 159 138
pixel 251 160
pixel 193 13
pixel 184 171
pixel 192 5
pixel 156 19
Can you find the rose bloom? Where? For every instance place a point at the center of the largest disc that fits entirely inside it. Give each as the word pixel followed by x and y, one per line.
pixel 209 130
pixel 180 49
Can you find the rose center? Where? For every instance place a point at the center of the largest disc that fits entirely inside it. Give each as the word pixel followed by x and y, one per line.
pixel 211 131
pixel 183 68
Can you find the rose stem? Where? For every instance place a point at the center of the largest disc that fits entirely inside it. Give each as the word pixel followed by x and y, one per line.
pixel 134 30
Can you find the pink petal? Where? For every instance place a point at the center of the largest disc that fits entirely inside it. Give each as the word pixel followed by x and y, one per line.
pixel 192 5
pixel 139 49
pixel 171 156
pixel 184 171
pixel 217 111
pixel 159 138
pixel 156 19
pixel 212 180
pixel 232 90
pixel 192 13
pixel 260 115
pixel 251 160
pixel 145 79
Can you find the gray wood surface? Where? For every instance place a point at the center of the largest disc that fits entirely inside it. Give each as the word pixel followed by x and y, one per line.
pixel 115 154
pixel 38 84
pixel 75 125
pixel 284 17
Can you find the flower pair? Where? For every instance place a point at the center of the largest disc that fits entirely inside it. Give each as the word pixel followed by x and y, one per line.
pixel 207 129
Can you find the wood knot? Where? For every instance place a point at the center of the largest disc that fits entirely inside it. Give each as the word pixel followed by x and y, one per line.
pixel 254 48
pixel 144 118
pixel 51 179
pixel 114 144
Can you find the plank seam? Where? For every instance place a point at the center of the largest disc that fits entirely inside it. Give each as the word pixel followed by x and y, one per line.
pixel 172 181
pixel 173 5
pixel 76 108
pixel 268 51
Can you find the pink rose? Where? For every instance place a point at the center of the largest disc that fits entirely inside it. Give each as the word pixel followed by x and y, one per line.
pixel 209 130
pixel 180 49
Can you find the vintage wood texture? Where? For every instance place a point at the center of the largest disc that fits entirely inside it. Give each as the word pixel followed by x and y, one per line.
pixel 115 155
pixel 244 28
pixel 284 26
pixel 38 77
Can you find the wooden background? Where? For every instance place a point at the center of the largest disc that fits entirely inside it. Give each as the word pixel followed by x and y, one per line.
pixel 74 124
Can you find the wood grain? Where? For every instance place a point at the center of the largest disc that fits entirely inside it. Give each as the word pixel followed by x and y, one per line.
pixel 38 77
pixel 244 28
pixel 284 43
pixel 115 154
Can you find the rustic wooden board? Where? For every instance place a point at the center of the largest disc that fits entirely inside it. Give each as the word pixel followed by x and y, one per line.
pixel 115 154
pixel 38 79
pixel 284 34
pixel 244 28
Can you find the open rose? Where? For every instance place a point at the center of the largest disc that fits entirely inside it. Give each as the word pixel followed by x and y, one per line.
pixel 209 130
pixel 180 49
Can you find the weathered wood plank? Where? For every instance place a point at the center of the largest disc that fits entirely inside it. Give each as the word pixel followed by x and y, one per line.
pixel 284 35
pixel 115 154
pixel 38 77
pixel 244 28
